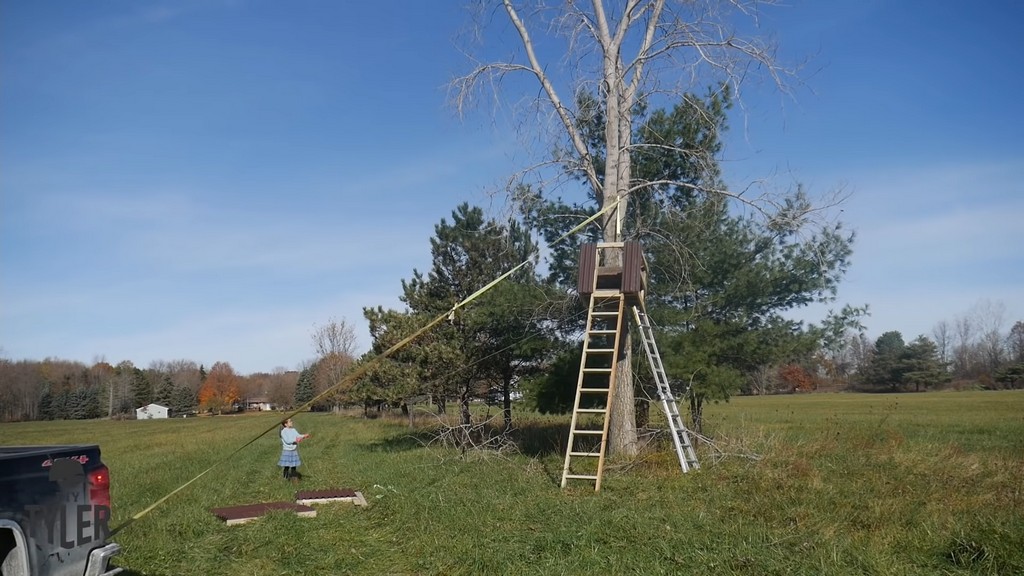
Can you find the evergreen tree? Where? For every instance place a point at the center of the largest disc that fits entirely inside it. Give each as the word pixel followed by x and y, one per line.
pixel 884 370
pixel 895 366
pixel 84 403
pixel 183 400
pixel 1012 376
pixel 165 393
pixel 142 388
pixel 407 372
pixel 46 408
pixel 61 404
pixel 920 366
pixel 553 390
pixel 305 388
pixel 497 337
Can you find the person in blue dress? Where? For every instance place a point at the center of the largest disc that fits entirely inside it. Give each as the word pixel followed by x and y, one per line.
pixel 290 438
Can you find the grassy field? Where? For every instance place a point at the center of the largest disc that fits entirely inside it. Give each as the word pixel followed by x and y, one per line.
pixel 818 484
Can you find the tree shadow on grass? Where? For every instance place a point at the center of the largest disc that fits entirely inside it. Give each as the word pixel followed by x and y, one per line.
pixel 531 439
pixel 534 439
pixel 402 442
pixel 539 439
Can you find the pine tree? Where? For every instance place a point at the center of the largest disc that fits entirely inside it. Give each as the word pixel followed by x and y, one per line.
pixel 305 387
pixel 142 388
pixel 498 336
pixel 183 400
pixel 165 393
pixel 46 405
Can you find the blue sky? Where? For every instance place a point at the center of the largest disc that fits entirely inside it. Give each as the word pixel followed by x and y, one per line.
pixel 212 180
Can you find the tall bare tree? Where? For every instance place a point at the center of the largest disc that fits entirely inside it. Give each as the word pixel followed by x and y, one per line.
pixel 990 318
pixel 336 345
pixel 623 51
pixel 963 357
pixel 943 339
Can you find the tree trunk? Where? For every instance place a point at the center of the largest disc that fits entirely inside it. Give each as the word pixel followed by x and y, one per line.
pixel 697 412
pixel 464 416
pixel 506 401
pixel 643 413
pixel 622 439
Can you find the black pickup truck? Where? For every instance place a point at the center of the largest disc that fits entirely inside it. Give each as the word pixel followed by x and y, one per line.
pixel 54 512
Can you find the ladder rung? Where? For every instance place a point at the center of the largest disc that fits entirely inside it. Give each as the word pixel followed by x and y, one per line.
pixel 588 432
pixel 602 332
pixel 581 476
pixel 584 454
pixel 597 370
pixel 605 313
pixel 600 350
pixel 591 410
pixel 595 390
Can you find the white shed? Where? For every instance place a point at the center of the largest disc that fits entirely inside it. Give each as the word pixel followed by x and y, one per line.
pixel 151 411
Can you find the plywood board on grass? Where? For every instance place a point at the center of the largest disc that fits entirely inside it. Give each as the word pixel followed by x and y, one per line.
pixel 232 515
pixel 331 495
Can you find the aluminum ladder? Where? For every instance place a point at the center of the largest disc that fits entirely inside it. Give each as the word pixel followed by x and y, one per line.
pixel 680 435
pixel 591 412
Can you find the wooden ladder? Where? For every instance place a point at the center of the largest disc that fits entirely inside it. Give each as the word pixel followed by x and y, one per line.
pixel 595 388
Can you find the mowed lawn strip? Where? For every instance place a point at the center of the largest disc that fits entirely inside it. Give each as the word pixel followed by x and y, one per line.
pixel 812 484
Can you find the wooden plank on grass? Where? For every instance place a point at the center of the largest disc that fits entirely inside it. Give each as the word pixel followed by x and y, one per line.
pixel 331 495
pixel 232 515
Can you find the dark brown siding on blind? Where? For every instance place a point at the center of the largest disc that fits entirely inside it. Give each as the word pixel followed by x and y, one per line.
pixel 632 263
pixel 588 267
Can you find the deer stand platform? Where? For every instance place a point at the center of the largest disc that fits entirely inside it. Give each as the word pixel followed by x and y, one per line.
pixel 612 276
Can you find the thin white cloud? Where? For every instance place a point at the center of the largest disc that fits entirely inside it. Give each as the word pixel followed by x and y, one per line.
pixel 251 340
pixel 932 241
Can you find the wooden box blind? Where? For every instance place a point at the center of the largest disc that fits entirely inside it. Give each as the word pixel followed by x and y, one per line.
pixel 588 267
pixel 632 268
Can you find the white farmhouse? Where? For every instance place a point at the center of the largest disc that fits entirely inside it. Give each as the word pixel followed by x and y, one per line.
pixel 151 411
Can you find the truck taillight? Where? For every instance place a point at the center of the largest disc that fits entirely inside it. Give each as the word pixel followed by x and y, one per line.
pixel 99 487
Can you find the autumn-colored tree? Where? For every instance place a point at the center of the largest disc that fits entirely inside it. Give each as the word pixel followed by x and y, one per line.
pixel 796 378
pixel 220 389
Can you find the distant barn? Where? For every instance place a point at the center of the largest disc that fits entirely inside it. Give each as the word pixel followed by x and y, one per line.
pixel 151 411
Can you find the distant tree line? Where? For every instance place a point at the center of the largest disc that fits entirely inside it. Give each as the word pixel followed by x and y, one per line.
pixel 54 389
pixel 984 359
pixel 526 360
